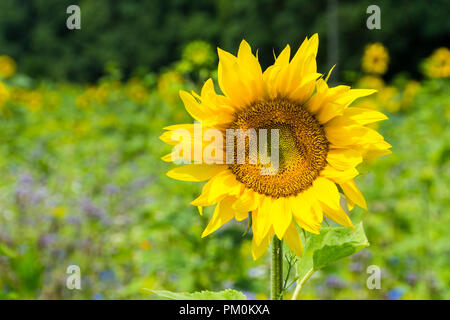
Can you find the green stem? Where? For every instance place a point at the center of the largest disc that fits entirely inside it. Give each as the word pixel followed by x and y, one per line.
pixel 300 284
pixel 277 269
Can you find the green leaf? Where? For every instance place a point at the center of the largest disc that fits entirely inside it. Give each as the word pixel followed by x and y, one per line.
pixel 327 247
pixel 227 294
pixel 4 250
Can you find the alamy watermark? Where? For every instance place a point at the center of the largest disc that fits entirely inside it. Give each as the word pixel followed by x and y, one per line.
pixel 374 20
pixel 73 281
pixel 374 280
pixel 74 20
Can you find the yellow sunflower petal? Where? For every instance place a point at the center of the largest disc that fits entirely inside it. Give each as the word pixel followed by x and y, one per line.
pixel 364 116
pixel 344 159
pixel 292 239
pixel 377 149
pixel 240 215
pixel 343 136
pixel 275 76
pixel 196 172
pixel 283 58
pixel 326 192
pixel 258 249
pixel 229 82
pixel 337 105
pixel 337 215
pixel 304 60
pixel 262 220
pixel 240 78
pixel 192 106
pixel 248 61
pixel 222 214
pixel 352 192
pixel 304 214
pixel 281 216
pixel 338 176
pixel 247 201
pixel 222 184
pixel 167 158
pixel 353 94
pixel 304 91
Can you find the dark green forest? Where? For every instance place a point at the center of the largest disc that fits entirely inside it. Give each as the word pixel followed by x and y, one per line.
pixel 142 36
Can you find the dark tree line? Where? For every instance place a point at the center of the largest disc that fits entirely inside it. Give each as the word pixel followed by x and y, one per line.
pixel 142 36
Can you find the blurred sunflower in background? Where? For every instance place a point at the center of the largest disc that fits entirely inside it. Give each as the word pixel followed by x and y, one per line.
pixel 321 141
pixel 199 54
pixel 8 67
pixel 372 82
pixel 375 59
pixel 438 64
pixel 169 84
pixel 389 99
pixel 4 94
pixel 409 93
pixel 197 61
pixel 136 91
pixel 33 100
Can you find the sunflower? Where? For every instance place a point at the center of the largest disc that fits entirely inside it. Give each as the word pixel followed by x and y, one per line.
pixel 4 94
pixel 169 84
pixel 199 53
pixel 371 82
pixel 375 59
pixel 321 141
pixel 8 67
pixel 438 64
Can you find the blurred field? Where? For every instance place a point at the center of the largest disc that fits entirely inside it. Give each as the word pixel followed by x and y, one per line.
pixel 82 183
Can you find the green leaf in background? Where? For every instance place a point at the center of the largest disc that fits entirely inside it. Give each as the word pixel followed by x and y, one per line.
pixel 327 247
pixel 4 250
pixel 227 294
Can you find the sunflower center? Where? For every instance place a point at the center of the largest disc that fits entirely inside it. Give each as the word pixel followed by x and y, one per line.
pixel 302 147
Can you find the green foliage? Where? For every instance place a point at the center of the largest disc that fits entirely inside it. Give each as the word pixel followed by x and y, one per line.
pixel 227 294
pixel 327 247
pixel 335 243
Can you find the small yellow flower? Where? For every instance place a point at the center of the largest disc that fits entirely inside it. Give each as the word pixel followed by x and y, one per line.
pixel 32 100
pixel 108 120
pixel 82 101
pixel 409 93
pixel 4 94
pixel 102 94
pixel 321 141
pixel 438 64
pixel 169 83
pixel 389 99
pixel 8 67
pixel 375 59
pixel 136 91
pixel 183 66
pixel 59 212
pixel 145 245
pixel 371 82
pixel 81 128
pixel 88 98
pixel 199 53
pixel 52 100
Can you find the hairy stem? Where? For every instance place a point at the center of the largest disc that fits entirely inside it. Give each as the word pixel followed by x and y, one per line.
pixel 277 269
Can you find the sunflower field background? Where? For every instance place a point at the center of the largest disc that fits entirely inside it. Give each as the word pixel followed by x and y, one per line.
pixel 81 176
